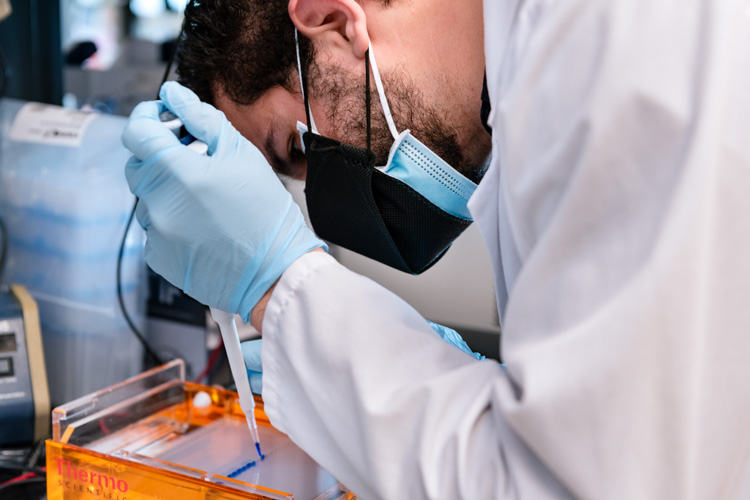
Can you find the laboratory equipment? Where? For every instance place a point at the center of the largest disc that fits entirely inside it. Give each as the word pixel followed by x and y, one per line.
pixel 157 436
pixel 24 396
pixel 231 338
pixel 65 205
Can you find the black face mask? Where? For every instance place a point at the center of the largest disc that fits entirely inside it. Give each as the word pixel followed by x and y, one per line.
pixel 353 204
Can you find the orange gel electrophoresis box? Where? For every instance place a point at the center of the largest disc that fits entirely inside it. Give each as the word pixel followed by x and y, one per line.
pixel 157 436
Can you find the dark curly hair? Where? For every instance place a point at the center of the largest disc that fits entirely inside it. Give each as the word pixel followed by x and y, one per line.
pixel 241 47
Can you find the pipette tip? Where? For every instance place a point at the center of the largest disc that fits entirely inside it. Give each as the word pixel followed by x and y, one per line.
pixel 261 455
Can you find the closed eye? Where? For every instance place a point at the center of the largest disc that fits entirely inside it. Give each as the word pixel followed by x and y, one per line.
pixel 295 149
pixel 286 159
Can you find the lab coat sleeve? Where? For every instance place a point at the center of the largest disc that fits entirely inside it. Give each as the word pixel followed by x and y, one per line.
pixel 359 380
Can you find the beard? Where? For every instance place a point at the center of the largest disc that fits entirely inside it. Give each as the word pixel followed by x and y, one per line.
pixel 344 98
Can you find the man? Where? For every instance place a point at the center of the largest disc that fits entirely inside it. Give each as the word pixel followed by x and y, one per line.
pixel 613 210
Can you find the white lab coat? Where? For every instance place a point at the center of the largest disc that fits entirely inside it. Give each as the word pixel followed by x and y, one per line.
pixel 617 216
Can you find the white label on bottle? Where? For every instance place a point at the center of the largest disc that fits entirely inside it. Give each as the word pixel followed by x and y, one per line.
pixel 51 125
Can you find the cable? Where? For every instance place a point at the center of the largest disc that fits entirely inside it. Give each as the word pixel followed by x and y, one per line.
pixel 211 362
pixel 16 484
pixel 3 246
pixel 152 354
pixel 21 468
pixel 17 479
pixel 4 72
pixel 171 60
pixel 36 452
pixel 146 347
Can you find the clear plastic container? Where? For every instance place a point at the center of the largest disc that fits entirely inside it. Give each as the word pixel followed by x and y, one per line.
pixel 147 438
pixel 65 209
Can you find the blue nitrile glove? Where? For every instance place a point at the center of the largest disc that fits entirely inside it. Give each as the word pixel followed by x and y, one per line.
pixel 251 352
pixel 453 338
pixel 220 226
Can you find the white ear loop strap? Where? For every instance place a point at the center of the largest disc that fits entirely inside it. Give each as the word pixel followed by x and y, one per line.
pixel 301 86
pixel 378 85
pixel 381 94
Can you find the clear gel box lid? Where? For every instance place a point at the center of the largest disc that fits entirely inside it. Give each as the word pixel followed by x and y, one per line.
pixel 157 436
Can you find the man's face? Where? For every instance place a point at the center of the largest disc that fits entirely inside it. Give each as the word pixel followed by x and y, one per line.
pixel 270 123
pixel 435 114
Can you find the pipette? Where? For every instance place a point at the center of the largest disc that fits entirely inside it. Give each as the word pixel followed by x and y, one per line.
pixel 174 124
pixel 231 338
pixel 224 319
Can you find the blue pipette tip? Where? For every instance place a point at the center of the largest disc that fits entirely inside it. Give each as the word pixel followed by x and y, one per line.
pixel 261 455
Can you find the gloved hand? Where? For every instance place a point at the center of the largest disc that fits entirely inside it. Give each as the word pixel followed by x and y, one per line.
pixel 220 226
pixel 251 352
pixel 453 338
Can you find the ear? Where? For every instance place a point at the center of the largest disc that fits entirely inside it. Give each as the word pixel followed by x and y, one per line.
pixel 341 23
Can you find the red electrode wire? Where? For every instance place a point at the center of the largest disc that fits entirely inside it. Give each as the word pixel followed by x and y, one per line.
pixel 211 362
pixel 22 477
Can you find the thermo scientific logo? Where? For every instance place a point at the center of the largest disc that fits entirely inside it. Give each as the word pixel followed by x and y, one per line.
pixel 99 485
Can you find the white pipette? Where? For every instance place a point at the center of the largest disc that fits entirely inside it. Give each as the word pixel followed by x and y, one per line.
pixel 239 372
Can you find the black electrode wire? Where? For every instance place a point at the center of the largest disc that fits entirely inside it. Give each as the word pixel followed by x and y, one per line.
pixel 4 72
pixel 3 246
pixel 146 347
pixel 36 452
pixel 168 69
pixel 20 468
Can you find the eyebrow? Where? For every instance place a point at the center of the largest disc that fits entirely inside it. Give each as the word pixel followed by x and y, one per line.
pixel 278 163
